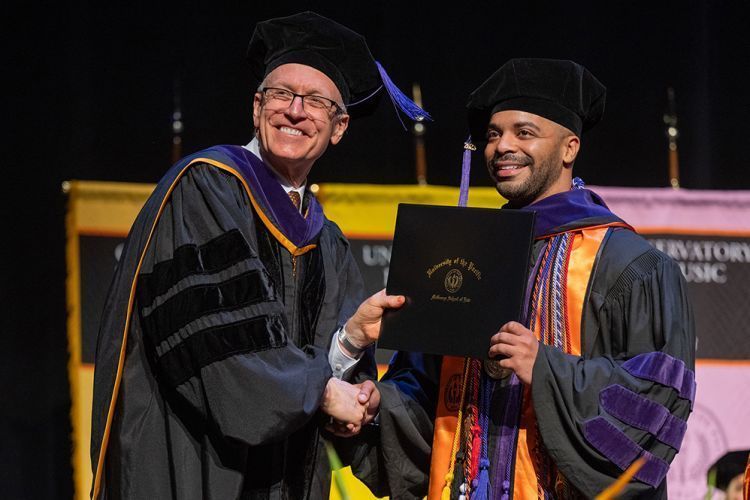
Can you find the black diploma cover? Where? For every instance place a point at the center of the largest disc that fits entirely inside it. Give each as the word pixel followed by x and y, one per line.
pixel 463 272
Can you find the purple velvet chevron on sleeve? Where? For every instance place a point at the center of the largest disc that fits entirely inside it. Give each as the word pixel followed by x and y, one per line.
pixel 642 413
pixel 663 369
pixel 687 390
pixel 618 448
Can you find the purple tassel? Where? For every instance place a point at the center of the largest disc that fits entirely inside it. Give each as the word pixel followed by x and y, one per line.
pixel 463 196
pixel 578 183
pixel 483 490
pixel 400 101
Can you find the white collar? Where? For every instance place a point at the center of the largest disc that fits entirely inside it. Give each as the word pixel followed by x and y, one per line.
pixel 254 147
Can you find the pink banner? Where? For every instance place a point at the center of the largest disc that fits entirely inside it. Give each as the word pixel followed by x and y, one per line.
pixel 720 422
pixel 681 210
pixel 708 234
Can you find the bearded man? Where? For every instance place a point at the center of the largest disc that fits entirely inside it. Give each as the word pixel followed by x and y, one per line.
pixel 599 370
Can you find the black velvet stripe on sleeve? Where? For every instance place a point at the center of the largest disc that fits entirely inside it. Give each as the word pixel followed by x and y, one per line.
pixel 311 298
pixel 190 304
pixel 204 347
pixel 215 255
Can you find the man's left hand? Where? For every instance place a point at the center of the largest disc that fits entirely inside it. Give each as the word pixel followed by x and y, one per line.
pixel 519 345
pixel 369 395
pixel 364 327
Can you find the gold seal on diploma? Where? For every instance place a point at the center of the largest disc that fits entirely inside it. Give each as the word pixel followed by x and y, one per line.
pixel 453 280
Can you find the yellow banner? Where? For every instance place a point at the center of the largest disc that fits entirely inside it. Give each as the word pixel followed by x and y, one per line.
pixel 369 210
pixel 95 210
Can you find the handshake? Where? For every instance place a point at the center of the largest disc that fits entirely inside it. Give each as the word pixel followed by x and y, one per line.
pixel 350 406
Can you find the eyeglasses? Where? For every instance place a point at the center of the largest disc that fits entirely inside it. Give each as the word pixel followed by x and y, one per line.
pixel 315 105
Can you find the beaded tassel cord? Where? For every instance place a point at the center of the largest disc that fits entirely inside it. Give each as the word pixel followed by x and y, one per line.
pixel 446 493
pixel 549 293
pixel 549 304
pixel 473 438
pixel 478 389
pixel 483 490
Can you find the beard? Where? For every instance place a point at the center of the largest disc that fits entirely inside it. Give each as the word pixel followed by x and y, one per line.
pixel 542 175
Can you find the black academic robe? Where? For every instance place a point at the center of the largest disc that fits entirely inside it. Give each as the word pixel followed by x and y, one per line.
pixel 636 304
pixel 226 355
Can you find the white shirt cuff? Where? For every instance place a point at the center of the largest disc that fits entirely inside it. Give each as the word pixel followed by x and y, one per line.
pixel 341 363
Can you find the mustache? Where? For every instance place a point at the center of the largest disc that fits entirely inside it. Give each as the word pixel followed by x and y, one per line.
pixel 510 157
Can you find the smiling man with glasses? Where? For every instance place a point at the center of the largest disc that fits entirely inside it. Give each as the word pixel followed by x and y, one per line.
pixel 234 331
pixel 297 113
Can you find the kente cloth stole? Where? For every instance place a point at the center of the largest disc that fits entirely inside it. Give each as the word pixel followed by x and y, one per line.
pixel 554 307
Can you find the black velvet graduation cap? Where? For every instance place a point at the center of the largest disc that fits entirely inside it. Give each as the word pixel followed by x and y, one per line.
pixel 729 466
pixel 335 50
pixel 562 91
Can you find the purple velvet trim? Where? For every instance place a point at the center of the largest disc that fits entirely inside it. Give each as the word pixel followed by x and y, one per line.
pixel 510 401
pixel 566 207
pixel 672 432
pixel 633 409
pixel 611 442
pixel 644 414
pixel 622 451
pixel 663 369
pixel 653 471
pixel 274 201
pixel 687 390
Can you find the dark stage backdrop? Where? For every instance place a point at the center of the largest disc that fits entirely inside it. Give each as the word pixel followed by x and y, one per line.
pixel 91 89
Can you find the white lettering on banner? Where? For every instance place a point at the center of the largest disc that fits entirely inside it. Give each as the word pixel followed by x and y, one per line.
pixel 704 261
pixel 704 272
pixel 704 251
pixel 376 255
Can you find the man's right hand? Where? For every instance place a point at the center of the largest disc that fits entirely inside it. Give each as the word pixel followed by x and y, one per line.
pixel 364 327
pixel 369 396
pixel 341 402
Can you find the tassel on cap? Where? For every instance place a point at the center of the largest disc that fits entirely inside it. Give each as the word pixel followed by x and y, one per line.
pixel 335 50
pixel 463 197
pixel 400 100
